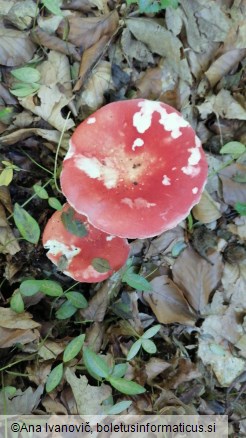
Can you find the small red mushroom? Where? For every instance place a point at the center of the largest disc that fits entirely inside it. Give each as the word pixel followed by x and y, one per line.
pixel 78 256
pixel 135 168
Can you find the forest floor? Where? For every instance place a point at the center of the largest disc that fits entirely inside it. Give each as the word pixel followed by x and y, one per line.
pixel 64 345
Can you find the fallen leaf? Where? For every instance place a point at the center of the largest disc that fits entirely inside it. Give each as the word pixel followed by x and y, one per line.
pixel 11 337
pixel 85 32
pixel 160 41
pixel 154 367
pixel 196 277
pixel 43 38
pixel 89 398
pixel 21 134
pixel 22 403
pixel 99 82
pixel 8 242
pixel 233 191
pixel 238 227
pixel 168 302
pixel 22 13
pixel 16 48
pixel 223 105
pixel 223 65
pixel 12 320
pixel 54 71
pixel 97 305
pixel 134 49
pixel 207 210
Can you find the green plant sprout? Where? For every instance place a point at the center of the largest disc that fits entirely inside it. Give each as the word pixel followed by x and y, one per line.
pixel 28 81
pixel 153 6
pixel 145 342
pixel 7 173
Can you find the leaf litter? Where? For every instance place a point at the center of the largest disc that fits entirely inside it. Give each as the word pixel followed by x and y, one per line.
pixel 91 53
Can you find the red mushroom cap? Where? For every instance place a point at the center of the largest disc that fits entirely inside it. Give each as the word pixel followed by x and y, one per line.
pixel 135 168
pixel 78 253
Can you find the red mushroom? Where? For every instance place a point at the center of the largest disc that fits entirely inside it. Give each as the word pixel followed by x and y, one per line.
pixel 78 256
pixel 135 168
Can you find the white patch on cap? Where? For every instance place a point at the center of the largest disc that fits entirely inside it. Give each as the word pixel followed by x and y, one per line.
pixel 109 238
pixel 195 156
pixel 174 168
pixel 91 120
pixel 166 181
pixel 195 190
pixel 191 170
pixel 96 170
pixel 137 143
pixel 171 122
pixel 55 248
pixel 91 272
pixel 70 152
pixel 198 142
pixel 137 203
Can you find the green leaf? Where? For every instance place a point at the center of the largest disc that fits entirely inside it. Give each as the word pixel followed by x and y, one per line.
pixel 66 310
pixel 177 248
pixel 6 115
pixel 53 6
pixel 118 407
pixel 17 303
pixel 95 365
pixel 51 288
pixel 119 370
pixel 151 332
pixel 134 349
pixel 26 224
pixel 234 148
pixel 77 299
pixel 29 287
pixel 24 90
pixel 100 264
pixel 54 378
pixel 74 226
pixel 40 191
pixel 126 386
pixel 6 177
pixel 54 203
pixel 240 207
pixel 73 348
pixel 240 178
pixel 149 346
pixel 26 74
pixel 136 281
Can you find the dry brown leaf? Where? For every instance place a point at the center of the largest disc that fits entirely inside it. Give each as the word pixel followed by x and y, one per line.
pixel 88 398
pixel 233 191
pixel 159 83
pixel 168 303
pixel 54 71
pixel 238 227
pixel 16 47
pixel 97 305
pixel 223 65
pixel 196 277
pixel 98 83
pixel 5 198
pixel 22 13
pixel 12 320
pixel 184 371
pixel 89 58
pixel 8 242
pixel 223 105
pixel 154 367
pixel 48 134
pixel 85 32
pixel 161 41
pixel 207 210
pixel 134 49
pixel 22 403
pixel 51 349
pixel 38 372
pixel 162 243
pixel 42 38
pixel 53 407
pixel 9 338
pixel 234 282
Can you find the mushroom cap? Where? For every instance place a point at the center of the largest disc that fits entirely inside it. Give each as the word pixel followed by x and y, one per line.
pixel 77 253
pixel 135 168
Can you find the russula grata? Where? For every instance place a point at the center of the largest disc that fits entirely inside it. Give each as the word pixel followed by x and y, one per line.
pixel 76 256
pixel 135 168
